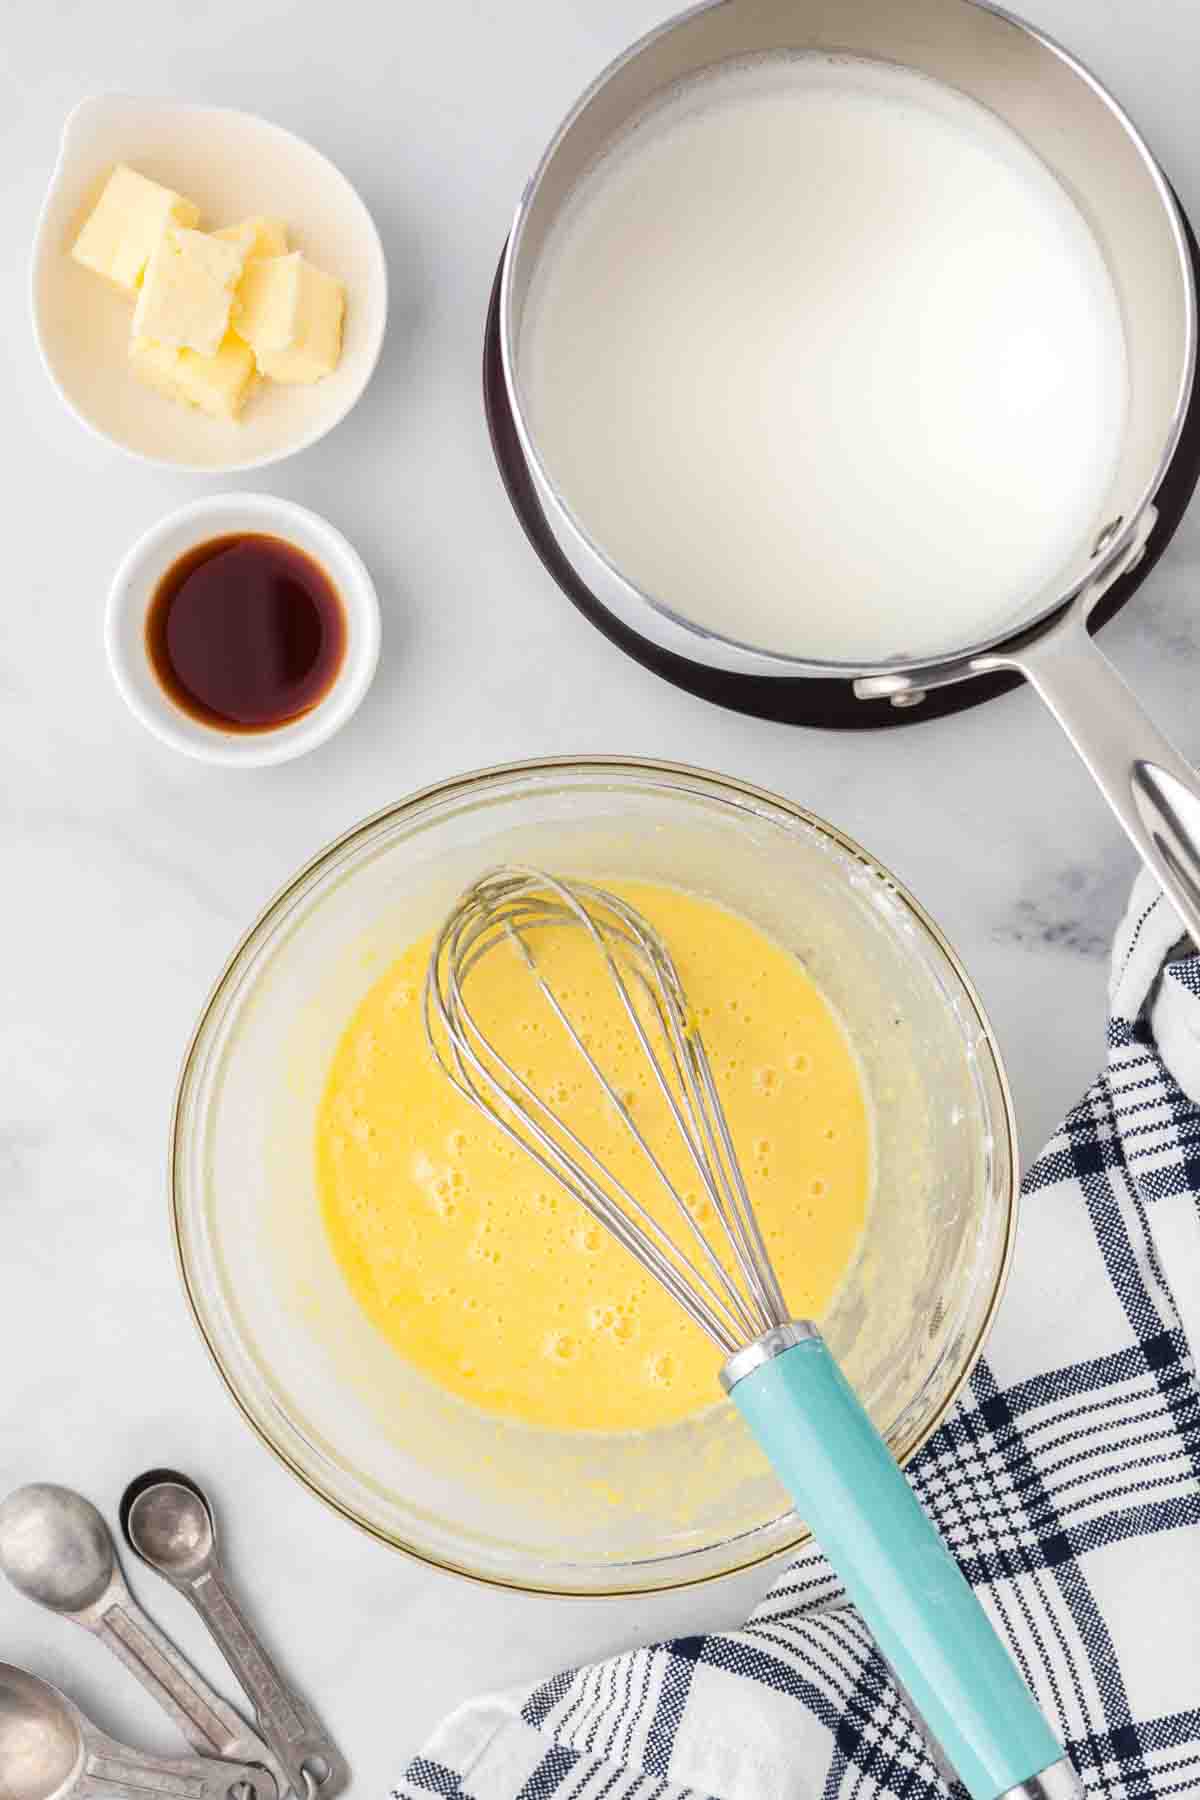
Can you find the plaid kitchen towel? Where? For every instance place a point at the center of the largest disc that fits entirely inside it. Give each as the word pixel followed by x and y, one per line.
pixel 1067 1481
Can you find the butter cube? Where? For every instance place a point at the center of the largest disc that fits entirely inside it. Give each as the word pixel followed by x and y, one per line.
pixel 121 231
pixel 290 314
pixel 187 292
pixel 216 384
pixel 256 236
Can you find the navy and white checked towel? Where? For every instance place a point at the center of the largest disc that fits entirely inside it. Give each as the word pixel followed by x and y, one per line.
pixel 1067 1481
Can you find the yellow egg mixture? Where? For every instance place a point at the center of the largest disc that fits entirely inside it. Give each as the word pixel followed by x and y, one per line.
pixel 481 1271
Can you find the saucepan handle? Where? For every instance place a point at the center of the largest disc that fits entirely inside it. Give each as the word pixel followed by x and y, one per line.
pixel 953 1669
pixel 1153 791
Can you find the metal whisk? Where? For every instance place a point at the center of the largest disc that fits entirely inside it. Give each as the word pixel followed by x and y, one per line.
pixel 952 1668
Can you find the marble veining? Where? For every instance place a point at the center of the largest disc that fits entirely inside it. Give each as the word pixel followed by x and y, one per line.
pixel 1070 909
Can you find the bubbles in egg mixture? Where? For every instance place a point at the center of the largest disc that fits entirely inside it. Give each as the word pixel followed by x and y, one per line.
pixel 486 1275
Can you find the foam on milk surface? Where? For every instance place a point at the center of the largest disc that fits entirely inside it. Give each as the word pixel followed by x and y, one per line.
pixel 824 358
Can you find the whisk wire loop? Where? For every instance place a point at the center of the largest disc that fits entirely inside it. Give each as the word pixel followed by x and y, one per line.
pixel 735 1297
pixel 734 1301
pixel 479 1083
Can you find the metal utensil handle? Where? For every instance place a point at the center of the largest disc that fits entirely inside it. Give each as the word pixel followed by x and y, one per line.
pixel 115 1772
pixel 1152 789
pixel 911 1593
pixel 309 1757
pixel 208 1723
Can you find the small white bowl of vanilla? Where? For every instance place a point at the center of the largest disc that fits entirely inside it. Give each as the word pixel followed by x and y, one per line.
pixel 208 291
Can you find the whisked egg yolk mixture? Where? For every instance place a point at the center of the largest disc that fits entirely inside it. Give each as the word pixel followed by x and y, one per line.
pixel 481 1271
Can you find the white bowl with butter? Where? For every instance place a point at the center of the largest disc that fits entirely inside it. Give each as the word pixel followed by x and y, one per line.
pixel 232 165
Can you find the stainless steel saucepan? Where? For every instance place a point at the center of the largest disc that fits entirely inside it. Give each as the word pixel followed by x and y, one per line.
pixel 1079 130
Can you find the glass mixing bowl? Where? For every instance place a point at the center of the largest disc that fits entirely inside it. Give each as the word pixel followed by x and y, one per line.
pixel 579 1513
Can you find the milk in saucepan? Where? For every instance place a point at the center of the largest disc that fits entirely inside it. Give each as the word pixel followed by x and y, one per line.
pixel 824 359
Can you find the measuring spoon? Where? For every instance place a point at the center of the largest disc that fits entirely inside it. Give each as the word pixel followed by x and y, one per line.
pixel 168 1522
pixel 49 1749
pixel 56 1550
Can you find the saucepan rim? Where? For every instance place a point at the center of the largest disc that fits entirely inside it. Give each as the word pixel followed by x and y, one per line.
pixel 786 664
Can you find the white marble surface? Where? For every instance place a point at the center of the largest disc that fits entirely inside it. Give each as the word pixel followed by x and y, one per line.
pixel 127 872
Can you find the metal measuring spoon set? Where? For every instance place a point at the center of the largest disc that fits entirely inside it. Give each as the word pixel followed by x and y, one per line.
pixel 56 1549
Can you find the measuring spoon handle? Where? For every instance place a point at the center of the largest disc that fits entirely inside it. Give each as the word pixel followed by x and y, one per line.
pixel 208 1723
pixel 309 1757
pixel 113 1772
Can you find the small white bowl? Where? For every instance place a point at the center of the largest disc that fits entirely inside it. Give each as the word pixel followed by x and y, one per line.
pixel 136 582
pixel 232 165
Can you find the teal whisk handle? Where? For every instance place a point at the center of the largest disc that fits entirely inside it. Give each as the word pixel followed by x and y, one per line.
pixel 848 1488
